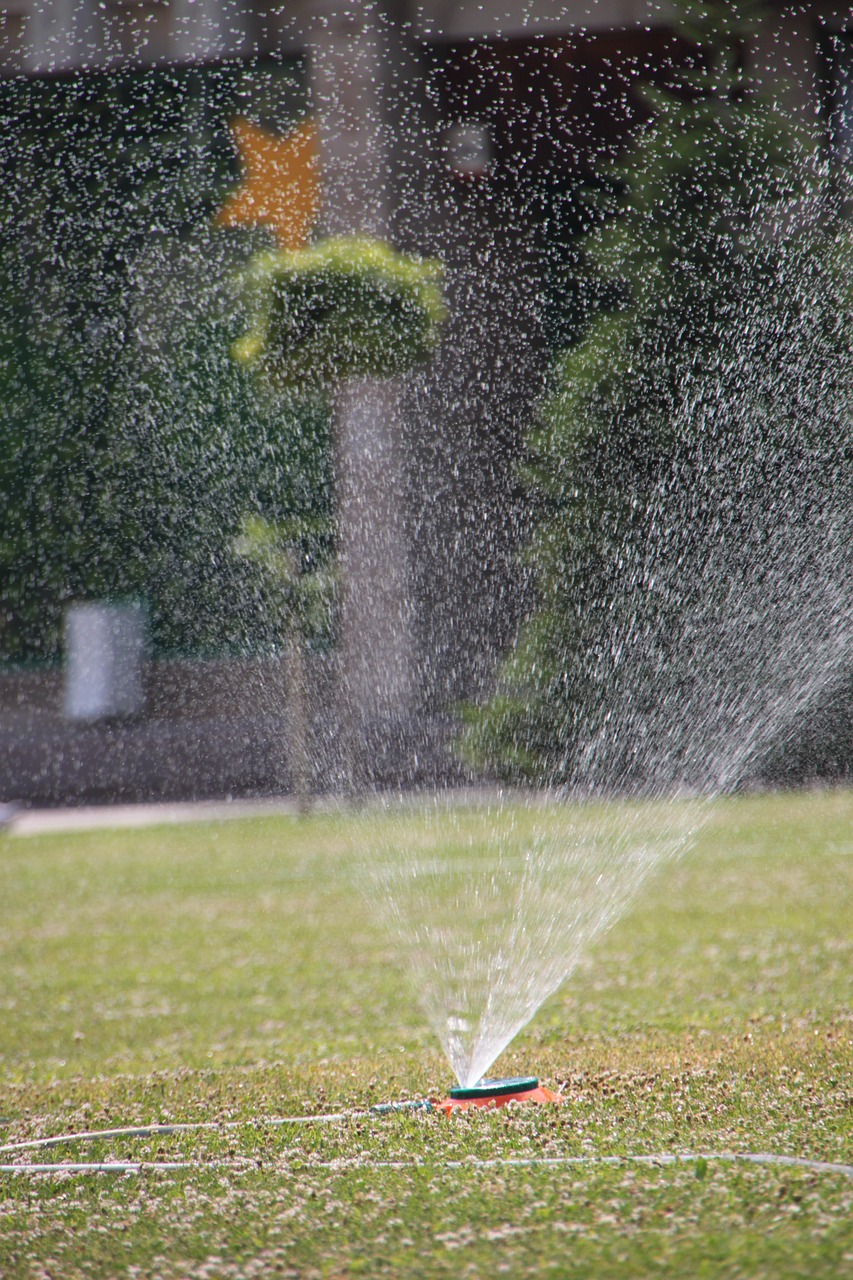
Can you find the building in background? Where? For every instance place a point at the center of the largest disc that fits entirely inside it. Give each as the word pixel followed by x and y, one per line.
pixel 459 131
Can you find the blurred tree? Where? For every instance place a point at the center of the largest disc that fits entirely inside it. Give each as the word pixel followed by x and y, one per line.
pixel 705 407
pixel 296 567
pixel 344 316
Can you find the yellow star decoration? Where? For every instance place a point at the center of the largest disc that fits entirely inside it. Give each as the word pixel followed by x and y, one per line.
pixel 281 182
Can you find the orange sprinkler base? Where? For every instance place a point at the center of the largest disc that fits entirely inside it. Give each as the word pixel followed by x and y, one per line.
pixel 497 1093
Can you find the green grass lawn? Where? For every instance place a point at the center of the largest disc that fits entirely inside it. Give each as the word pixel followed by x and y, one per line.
pixel 231 973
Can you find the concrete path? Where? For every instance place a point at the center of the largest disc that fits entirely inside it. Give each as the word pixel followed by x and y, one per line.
pixel 30 822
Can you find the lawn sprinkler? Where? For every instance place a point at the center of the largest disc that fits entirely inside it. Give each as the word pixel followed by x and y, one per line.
pixel 497 1093
pixel 487 1093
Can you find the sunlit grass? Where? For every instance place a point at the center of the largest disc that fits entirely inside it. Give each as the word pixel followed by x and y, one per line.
pixel 232 972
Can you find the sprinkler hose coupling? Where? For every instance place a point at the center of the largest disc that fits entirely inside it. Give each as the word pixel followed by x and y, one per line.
pixel 394 1108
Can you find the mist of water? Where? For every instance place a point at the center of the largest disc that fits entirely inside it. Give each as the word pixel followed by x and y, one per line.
pixel 494 899
pixel 135 450
pixel 735 623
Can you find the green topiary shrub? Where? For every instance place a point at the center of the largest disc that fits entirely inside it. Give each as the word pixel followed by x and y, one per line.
pixel 345 307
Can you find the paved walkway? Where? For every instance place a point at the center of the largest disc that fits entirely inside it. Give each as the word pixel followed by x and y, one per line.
pixel 30 822
pixel 17 820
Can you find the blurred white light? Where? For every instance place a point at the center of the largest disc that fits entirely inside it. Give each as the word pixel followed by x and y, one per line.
pixel 469 149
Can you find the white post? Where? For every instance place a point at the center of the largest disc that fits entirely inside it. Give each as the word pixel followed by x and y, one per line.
pixel 207 29
pixel 105 645
pixel 64 35
pixel 357 63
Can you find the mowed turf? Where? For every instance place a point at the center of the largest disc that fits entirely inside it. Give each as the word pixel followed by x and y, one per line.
pixel 231 974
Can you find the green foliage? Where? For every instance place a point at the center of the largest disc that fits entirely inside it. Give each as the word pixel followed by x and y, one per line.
pixel 705 408
pixel 345 307
pixel 131 445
